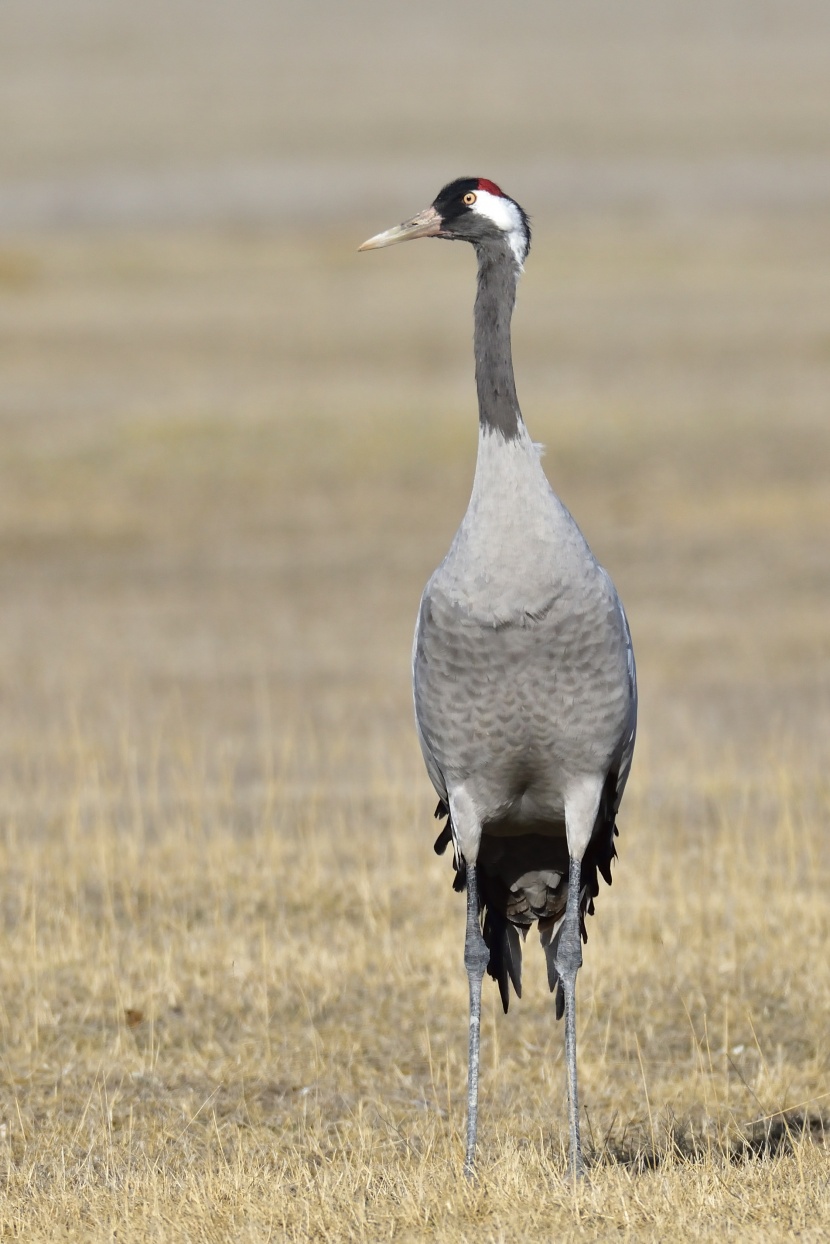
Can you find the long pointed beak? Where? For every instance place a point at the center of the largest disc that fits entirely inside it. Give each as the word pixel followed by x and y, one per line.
pixel 426 224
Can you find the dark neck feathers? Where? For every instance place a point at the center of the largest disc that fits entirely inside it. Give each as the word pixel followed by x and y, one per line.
pixel 498 273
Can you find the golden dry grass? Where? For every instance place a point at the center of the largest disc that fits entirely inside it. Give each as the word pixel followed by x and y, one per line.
pixel 245 1018
pixel 233 993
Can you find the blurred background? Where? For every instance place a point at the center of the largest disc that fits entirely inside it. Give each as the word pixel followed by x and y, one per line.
pixel 233 449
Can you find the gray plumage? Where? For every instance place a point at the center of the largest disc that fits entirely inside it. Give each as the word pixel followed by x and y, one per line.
pixel 523 671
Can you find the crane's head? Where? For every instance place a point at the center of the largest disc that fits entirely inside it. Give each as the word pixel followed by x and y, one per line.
pixel 471 209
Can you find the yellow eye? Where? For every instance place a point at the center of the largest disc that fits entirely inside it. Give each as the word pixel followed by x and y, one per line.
pixel 469 198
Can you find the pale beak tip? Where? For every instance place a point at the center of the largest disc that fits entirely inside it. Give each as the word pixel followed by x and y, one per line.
pixel 379 240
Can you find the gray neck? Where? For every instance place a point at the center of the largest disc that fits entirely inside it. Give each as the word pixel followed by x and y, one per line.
pixel 498 273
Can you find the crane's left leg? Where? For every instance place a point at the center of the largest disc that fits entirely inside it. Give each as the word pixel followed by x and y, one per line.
pixel 476 958
pixel 568 962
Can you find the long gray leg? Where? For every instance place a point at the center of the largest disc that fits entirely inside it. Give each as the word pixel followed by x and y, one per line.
pixel 568 963
pixel 476 958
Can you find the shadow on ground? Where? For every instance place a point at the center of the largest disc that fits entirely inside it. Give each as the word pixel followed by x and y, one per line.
pixel 679 1142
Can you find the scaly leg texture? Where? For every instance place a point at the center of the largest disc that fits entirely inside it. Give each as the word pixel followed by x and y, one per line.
pixel 568 963
pixel 476 958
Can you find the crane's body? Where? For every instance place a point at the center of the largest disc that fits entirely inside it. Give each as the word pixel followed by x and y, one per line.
pixel 523 671
pixel 521 658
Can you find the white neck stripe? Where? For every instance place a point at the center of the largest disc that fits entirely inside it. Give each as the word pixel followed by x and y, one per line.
pixel 506 216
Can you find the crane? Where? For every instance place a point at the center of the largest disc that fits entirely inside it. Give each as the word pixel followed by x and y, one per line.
pixel 523 673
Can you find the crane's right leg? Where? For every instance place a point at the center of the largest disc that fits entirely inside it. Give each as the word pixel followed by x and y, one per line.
pixel 581 805
pixel 476 958
pixel 568 963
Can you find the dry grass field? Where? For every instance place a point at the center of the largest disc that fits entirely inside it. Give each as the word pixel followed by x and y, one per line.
pixel 232 997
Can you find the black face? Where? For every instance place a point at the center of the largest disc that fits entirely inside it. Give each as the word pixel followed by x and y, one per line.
pixel 450 201
pixel 461 222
